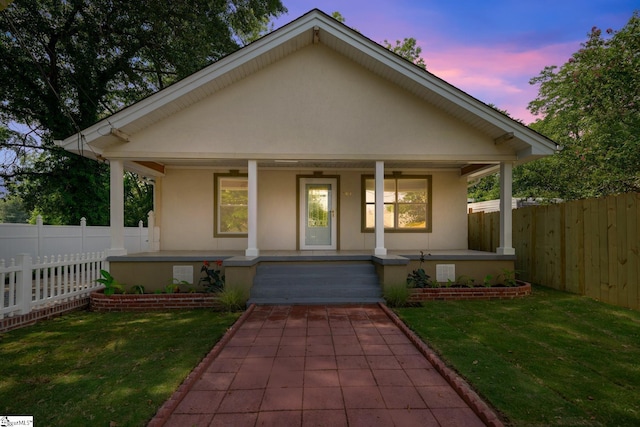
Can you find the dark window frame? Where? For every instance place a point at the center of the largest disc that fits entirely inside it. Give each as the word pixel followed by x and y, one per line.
pixel 216 203
pixel 397 177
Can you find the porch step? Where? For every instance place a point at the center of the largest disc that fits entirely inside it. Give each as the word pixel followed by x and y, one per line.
pixel 316 283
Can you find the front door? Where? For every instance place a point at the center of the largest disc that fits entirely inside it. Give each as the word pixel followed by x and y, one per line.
pixel 318 219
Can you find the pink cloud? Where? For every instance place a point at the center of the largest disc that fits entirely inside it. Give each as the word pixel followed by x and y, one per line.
pixel 497 74
pixel 493 73
pixel 463 78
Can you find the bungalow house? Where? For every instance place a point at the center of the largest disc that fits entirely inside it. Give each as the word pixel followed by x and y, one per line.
pixel 313 144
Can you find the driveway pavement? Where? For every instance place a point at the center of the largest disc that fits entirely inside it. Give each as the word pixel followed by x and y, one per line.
pixel 322 366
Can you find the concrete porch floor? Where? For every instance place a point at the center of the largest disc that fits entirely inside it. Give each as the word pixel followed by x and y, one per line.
pixel 320 366
pixel 200 255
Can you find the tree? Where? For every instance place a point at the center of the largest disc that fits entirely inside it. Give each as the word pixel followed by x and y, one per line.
pixel 486 188
pixel 67 64
pixel 63 188
pixel 11 210
pixel 338 17
pixel 591 106
pixel 408 49
pixel 138 199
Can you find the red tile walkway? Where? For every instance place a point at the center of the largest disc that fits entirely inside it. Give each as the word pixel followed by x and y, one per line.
pixel 322 366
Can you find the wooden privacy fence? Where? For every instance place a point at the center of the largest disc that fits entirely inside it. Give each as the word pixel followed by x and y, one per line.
pixel 588 247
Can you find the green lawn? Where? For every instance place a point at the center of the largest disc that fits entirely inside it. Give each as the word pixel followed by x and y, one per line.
pixel 549 359
pixel 103 369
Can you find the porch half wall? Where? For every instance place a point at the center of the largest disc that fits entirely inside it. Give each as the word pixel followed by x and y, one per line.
pixel 185 212
pixel 155 270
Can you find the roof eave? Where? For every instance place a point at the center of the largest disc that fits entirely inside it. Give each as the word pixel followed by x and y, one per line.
pixel 536 144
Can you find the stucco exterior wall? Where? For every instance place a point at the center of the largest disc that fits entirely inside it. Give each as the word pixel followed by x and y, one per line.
pixel 187 212
pixel 313 103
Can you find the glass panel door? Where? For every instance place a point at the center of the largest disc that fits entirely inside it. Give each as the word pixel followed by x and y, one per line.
pixel 317 213
pixel 318 216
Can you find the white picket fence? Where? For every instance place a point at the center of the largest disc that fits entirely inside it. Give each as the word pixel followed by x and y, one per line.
pixel 39 240
pixel 29 285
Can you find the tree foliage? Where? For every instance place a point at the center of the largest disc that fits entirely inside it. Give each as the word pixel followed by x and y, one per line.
pixel 408 49
pixel 591 106
pixel 12 210
pixel 338 17
pixel 486 188
pixel 67 64
pixel 63 188
pixel 138 199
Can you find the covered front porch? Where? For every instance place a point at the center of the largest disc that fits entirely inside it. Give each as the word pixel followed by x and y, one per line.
pixel 276 215
pixel 375 207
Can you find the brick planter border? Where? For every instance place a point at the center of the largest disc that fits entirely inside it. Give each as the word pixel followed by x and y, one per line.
pixel 151 302
pixel 49 312
pixel 435 294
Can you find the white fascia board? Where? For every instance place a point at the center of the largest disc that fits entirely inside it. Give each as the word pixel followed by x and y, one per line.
pixel 475 176
pixel 535 151
pixel 72 145
pixel 526 153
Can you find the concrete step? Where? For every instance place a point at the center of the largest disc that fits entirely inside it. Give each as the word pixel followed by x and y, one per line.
pixel 316 283
pixel 352 269
pixel 314 301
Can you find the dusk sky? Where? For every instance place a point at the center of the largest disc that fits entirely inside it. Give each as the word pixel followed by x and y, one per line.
pixel 490 49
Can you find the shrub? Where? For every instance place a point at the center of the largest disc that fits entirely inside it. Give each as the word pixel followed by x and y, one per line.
pixel 509 277
pixel 419 278
pixel 396 296
pixel 137 289
pixel 111 285
pixel 233 299
pixel 213 280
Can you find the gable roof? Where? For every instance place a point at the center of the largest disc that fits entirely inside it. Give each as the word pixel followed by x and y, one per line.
pixel 314 27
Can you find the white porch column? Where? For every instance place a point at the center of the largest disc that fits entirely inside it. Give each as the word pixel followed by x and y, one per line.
pixel 252 243
pixel 116 207
pixel 506 217
pixel 379 230
pixel 153 237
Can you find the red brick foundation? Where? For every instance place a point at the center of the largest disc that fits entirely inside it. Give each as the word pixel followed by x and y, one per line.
pixel 151 302
pixel 56 309
pixel 435 294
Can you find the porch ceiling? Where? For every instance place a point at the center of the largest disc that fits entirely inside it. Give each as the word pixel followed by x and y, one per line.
pixel 469 169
